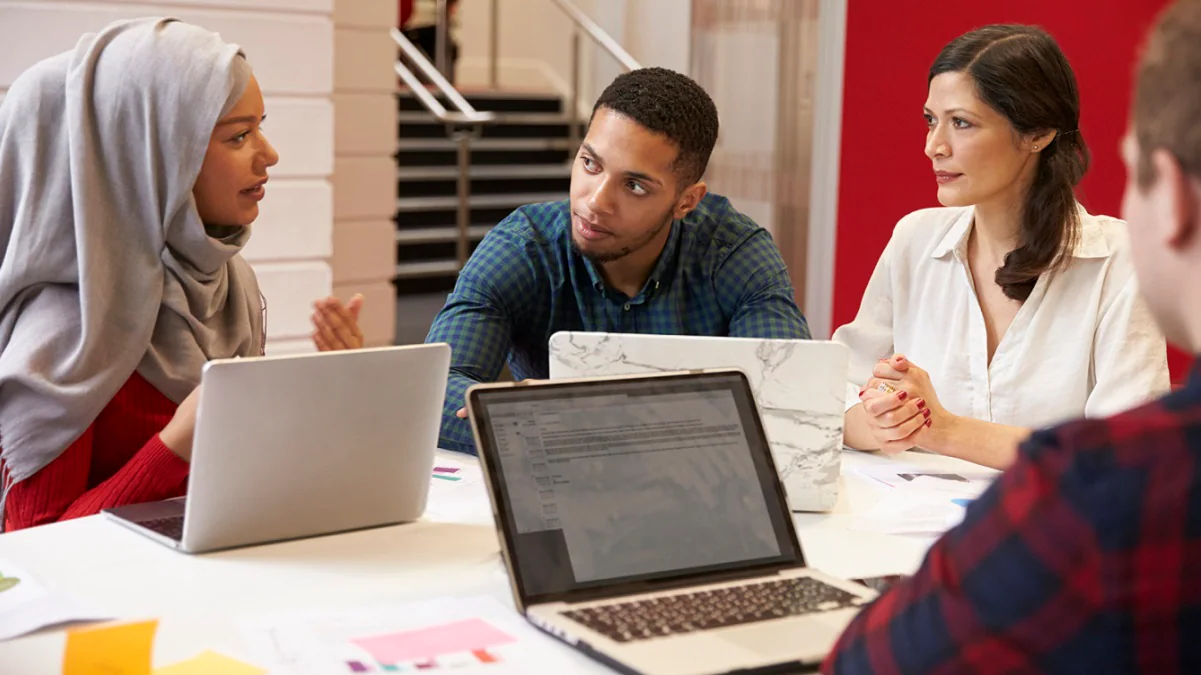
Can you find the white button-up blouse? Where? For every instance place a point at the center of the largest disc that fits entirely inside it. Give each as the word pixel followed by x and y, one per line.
pixel 1083 343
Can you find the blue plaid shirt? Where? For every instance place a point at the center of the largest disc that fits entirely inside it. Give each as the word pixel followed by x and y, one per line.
pixel 719 274
pixel 1083 557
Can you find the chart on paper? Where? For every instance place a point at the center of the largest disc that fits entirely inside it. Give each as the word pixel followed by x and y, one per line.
pixel 463 636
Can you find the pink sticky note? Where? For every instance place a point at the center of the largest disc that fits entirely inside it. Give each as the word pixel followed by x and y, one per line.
pixel 429 643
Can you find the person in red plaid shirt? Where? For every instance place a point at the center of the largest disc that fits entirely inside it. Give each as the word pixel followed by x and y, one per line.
pixel 1085 556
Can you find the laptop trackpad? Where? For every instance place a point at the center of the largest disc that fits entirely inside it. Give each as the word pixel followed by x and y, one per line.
pixel 799 638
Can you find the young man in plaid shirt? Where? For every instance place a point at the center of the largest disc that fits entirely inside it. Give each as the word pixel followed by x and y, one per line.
pixel 640 247
pixel 1086 555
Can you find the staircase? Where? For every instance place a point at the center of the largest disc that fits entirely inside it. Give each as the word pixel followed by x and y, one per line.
pixel 522 159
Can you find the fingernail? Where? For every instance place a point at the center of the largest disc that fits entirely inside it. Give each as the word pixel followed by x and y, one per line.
pixel 861 392
pixel 902 396
pixel 900 359
pixel 921 404
pixel 926 412
pixel 929 422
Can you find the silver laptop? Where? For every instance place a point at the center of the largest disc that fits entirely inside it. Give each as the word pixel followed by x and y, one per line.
pixel 643 522
pixel 297 446
pixel 800 386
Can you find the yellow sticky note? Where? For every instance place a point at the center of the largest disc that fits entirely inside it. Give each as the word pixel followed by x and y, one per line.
pixel 209 663
pixel 110 649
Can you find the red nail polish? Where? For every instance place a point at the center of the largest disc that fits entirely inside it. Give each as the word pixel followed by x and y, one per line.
pixel 902 396
pixel 926 412
pixel 861 392
pixel 921 404
pixel 929 422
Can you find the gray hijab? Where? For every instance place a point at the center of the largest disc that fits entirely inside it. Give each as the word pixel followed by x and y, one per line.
pixel 107 268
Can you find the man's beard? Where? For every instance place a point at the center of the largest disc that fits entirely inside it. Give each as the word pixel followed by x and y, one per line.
pixel 610 256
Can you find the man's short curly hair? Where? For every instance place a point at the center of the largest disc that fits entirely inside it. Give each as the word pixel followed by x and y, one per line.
pixel 670 104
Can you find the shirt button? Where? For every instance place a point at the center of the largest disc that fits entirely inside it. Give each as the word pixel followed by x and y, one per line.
pixel 627 306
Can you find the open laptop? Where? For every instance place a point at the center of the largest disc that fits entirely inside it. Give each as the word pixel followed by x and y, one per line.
pixel 643 522
pixel 298 446
pixel 799 385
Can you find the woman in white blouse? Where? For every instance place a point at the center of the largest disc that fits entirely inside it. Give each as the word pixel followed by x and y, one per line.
pixel 1012 308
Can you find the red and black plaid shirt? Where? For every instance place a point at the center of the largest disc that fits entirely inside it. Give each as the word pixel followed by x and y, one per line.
pixel 1085 557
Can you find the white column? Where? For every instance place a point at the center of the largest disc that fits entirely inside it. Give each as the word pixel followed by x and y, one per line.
pixel 365 128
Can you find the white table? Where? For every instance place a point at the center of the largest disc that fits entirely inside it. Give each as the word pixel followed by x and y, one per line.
pixel 197 598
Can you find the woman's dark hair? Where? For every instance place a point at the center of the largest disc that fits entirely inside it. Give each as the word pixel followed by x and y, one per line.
pixel 1020 72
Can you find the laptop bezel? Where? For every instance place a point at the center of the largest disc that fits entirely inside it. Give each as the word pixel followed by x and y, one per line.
pixel 506 530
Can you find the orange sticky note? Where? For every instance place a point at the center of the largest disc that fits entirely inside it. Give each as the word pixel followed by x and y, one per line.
pixel 110 649
pixel 209 663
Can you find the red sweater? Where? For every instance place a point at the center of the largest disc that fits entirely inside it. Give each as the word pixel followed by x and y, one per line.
pixel 118 460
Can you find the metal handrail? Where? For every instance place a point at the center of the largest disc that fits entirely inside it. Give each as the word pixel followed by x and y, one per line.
pixel 419 59
pixel 582 23
pixel 598 34
pixel 463 124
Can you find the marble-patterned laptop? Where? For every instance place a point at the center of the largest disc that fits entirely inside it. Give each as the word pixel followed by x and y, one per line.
pixel 799 385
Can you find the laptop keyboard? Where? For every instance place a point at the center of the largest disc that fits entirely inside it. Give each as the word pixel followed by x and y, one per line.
pixel 718 608
pixel 171 527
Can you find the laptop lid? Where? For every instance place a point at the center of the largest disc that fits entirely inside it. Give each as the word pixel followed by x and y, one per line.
pixel 604 487
pixel 800 387
pixel 297 446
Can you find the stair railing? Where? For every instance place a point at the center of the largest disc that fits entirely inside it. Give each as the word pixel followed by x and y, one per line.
pixel 600 37
pixel 581 21
pixel 463 125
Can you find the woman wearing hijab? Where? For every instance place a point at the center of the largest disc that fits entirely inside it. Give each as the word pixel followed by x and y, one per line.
pixel 130 170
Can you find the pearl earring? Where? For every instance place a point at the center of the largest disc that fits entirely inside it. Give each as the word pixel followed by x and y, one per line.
pixel 1036 148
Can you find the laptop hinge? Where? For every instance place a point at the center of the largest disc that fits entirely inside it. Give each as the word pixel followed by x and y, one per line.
pixel 659 585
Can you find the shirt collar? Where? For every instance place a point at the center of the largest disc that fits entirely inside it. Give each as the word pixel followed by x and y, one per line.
pixel 1091 244
pixel 956 238
pixel 663 267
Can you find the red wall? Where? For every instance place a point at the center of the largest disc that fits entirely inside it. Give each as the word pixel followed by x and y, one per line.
pixel 890 46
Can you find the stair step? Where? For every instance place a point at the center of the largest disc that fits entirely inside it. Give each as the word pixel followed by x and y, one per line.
pixel 435 235
pixel 426 117
pixel 410 204
pixel 486 172
pixel 484 144
pixel 493 101
pixel 427 268
pixel 434 129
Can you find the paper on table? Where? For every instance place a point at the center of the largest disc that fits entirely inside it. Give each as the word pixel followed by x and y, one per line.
pixel 26 605
pixel 968 484
pixel 911 511
pixel 425 643
pixel 363 640
pixel 112 649
pixel 209 663
pixel 458 494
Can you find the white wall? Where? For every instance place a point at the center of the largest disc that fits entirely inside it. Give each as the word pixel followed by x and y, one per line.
pixel 364 258
pixel 654 32
pixel 535 45
pixel 290 43
pixel 535 42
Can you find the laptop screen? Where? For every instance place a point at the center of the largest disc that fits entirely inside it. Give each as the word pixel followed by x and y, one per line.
pixel 601 484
